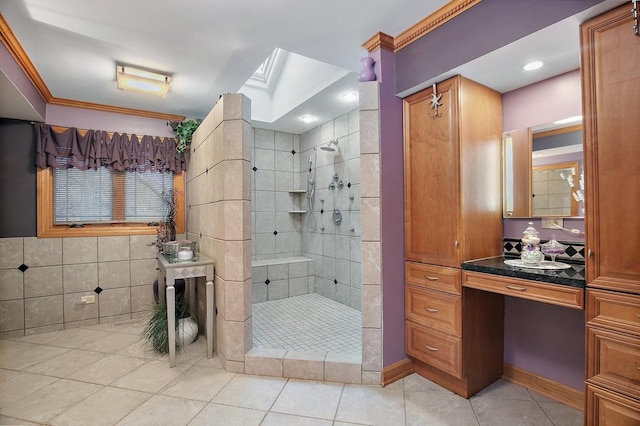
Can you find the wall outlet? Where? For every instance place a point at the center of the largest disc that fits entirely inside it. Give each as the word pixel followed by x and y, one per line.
pixel 87 300
pixel 552 223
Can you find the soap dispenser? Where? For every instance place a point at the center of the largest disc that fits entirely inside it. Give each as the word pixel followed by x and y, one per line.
pixel 531 254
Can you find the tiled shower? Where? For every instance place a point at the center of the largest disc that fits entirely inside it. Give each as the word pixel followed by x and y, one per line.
pixel 299 252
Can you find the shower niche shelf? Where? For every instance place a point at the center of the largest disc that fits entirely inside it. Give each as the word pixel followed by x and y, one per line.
pixel 297 192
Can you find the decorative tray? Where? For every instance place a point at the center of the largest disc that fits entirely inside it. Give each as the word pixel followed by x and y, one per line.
pixel 545 264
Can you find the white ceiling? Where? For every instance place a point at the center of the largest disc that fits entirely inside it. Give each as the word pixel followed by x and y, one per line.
pixel 212 47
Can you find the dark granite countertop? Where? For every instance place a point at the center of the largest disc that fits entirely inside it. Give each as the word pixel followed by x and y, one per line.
pixel 573 277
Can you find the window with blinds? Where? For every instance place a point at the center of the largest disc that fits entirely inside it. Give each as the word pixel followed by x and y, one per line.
pixel 103 196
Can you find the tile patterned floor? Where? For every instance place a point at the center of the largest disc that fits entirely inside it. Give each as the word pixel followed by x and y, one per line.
pixel 307 323
pixel 102 375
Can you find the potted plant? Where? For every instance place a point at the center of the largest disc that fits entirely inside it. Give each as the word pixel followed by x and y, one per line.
pixel 156 332
pixel 183 130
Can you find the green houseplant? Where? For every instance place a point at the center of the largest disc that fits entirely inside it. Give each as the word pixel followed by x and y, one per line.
pixel 156 332
pixel 183 130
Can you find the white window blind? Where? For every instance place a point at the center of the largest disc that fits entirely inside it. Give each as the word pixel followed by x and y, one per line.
pixel 103 196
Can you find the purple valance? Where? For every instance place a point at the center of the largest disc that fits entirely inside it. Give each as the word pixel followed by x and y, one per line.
pixel 99 149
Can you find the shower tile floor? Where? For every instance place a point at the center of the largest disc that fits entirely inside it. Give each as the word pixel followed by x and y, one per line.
pixel 307 323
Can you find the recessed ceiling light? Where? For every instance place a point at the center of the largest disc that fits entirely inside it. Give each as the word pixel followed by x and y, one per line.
pixel 532 66
pixel 307 118
pixel 350 96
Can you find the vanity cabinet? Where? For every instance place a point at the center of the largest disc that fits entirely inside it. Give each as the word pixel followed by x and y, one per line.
pixel 452 156
pixel 611 92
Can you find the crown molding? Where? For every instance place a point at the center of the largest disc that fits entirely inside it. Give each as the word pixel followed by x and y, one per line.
pixel 14 47
pixel 413 33
pixel 115 109
pixel 433 21
pixel 380 41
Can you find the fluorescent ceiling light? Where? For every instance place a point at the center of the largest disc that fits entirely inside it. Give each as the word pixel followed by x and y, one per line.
pixel 307 118
pixel 574 119
pixel 350 96
pixel 532 66
pixel 141 81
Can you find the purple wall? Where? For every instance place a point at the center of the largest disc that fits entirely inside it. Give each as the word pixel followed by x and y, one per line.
pixel 541 338
pixel 109 121
pixel 469 36
pixel 391 210
pixel 13 71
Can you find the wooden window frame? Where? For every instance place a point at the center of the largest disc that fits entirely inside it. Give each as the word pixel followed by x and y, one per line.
pixel 47 229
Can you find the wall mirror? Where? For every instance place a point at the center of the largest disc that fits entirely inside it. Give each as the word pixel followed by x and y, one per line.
pixel 543 170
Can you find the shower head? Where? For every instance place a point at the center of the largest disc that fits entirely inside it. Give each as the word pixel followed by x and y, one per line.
pixel 332 146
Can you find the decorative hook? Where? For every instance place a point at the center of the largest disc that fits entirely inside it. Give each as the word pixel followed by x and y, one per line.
pixel 435 103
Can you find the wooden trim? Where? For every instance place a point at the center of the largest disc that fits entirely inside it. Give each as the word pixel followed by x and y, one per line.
pixel 45 227
pixel 380 41
pixel 549 388
pixel 396 371
pixel 559 131
pixel 114 109
pixel 14 47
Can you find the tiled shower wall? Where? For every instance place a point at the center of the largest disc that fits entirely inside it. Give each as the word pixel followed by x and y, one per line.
pixel 275 232
pixel 335 249
pixel 42 281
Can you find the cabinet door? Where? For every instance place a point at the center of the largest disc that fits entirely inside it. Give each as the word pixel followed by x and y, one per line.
pixel 432 188
pixel 611 98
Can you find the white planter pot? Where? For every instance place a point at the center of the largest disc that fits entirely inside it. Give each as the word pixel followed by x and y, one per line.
pixel 187 331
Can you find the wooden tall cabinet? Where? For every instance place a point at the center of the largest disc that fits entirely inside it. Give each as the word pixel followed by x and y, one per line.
pixel 453 210
pixel 611 102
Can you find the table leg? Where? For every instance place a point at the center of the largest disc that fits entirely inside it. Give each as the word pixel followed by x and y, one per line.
pixel 160 285
pixel 171 319
pixel 209 324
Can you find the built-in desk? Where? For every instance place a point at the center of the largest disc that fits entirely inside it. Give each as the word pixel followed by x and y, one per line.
pixel 563 287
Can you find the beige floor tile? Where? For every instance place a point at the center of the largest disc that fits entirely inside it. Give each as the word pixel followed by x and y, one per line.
pixel 15 385
pixel 251 392
pixel 151 376
pixel 438 409
pixel 371 405
pixel 112 343
pixel 190 354
pixel 224 415
pixel 50 401
pixel 509 412
pixel 107 370
pixel 105 407
pixel 210 362
pixel 19 355
pixel 71 338
pixel 277 419
pixel 561 414
pixel 139 349
pixel 310 399
pixel 505 390
pixel 163 410
pixel 415 382
pixel 4 420
pixel 199 383
pixel 66 364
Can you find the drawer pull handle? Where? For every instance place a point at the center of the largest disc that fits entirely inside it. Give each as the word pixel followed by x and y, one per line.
pixel 433 311
pixel 431 348
pixel 431 278
pixel 513 287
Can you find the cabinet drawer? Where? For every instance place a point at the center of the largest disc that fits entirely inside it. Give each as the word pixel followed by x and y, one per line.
pixel 555 294
pixel 432 347
pixel 614 310
pixel 433 309
pixel 433 277
pixel 606 408
pixel 614 360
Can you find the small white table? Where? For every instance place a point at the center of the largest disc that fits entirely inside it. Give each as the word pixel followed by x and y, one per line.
pixel 172 269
